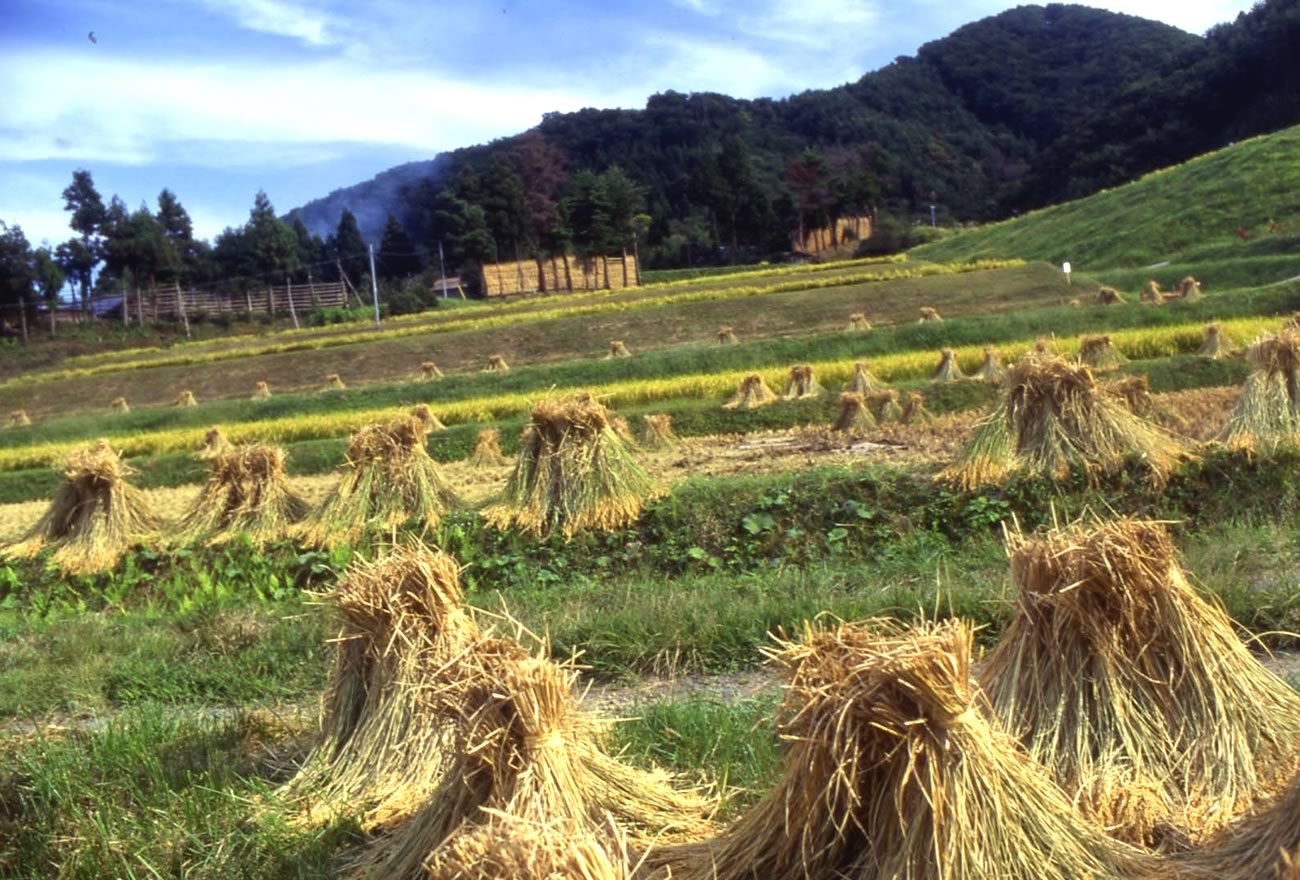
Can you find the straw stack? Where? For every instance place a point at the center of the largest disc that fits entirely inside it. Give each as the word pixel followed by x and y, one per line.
pixel 497 364
pixel 948 369
pixel 185 398
pixel 726 336
pixel 617 349
pixel 893 771
pixel 429 371
pixel 991 370
pixel 214 443
pixel 658 433
pixel 1151 294
pixel 1109 296
pixel 863 382
pixel 914 411
pixel 19 419
pixel 262 391
pixel 120 405
pixel 487 450
pixel 1262 846
pixel 752 394
pixel 96 515
pixel 885 407
pixel 1267 414
pixel 427 418
pixel 1133 690
pixel 1099 353
pixel 1053 417
pixel 334 382
pixel 247 494
pixel 803 384
pixel 928 315
pixel 1214 346
pixel 854 416
pixel 858 322
pixel 574 472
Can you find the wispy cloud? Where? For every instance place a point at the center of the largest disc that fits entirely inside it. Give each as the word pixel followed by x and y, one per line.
pixel 284 18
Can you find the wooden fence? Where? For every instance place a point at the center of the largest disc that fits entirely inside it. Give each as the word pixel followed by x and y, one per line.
pixel 566 273
pixel 165 302
pixel 826 237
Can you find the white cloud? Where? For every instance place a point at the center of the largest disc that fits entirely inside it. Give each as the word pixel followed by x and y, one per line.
pixel 283 18
pixel 1194 16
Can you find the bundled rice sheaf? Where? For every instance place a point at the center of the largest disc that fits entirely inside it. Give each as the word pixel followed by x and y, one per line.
pixel 334 382
pixel 1267 414
pixel 1044 345
pixel 1053 417
pixel 487 450
pixel 658 433
pixel 247 494
pixel 19 419
pixel 885 406
pixel 1100 353
pixel 948 369
pixel 893 771
pixel 1075 303
pixel 497 364
pixel 858 321
pixel 429 370
pixel 1135 393
pixel 1215 345
pixel 120 405
pixel 526 752
pixel 1190 289
pixel 752 394
pixel 803 384
pixel 185 398
pixel 854 416
pixel 914 411
pixel 96 515
pixel 262 391
pixel 573 473
pixel 726 336
pixel 928 315
pixel 1109 296
pixel 427 417
pixel 509 847
pixel 390 480
pixel 1133 690
pixel 991 370
pixel 1152 294
pixel 383 748
pixel 214 443
pixel 617 349
pixel 863 382
pixel 1264 845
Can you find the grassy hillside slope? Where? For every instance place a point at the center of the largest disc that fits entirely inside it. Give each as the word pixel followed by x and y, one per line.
pixel 1192 209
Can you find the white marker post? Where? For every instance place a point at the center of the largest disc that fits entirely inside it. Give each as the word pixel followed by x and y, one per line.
pixel 1065 267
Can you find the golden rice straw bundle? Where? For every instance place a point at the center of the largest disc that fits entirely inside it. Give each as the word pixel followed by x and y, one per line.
pixel 1292 323
pixel 1262 846
pixel 1190 289
pixel 948 369
pixel 1152 294
pixel 1214 346
pixel 19 419
pixel 390 480
pixel 525 749
pixel 893 771
pixel 885 407
pixel 914 411
pixel 658 432
pixel 726 336
pixel 1100 353
pixel 863 382
pixel 622 428
pixel 1267 414
pixel 929 315
pixel 383 748
pixel 262 391
pixel 752 394
pixel 94 517
pixel 247 494
pixel 574 472
pixel 497 364
pixel 509 847
pixel 1044 345
pixel 487 450
pixel 991 370
pixel 1134 691
pixel 185 398
pixel 429 370
pixel 120 405
pixel 617 349
pixel 803 384
pixel 1076 303
pixel 334 382
pixel 858 321
pixel 854 416
pixel 1109 296
pixel 214 443
pixel 1135 393
pixel 426 416
pixel 1053 417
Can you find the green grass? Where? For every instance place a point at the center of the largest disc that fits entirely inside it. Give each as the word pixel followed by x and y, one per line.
pixel 1192 207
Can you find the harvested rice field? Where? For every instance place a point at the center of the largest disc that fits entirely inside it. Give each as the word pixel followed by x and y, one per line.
pixel 1009 593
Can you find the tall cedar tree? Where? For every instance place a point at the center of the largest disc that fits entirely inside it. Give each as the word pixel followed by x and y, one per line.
pixel 396 259
pixel 542 169
pixel 350 248
pixel 83 202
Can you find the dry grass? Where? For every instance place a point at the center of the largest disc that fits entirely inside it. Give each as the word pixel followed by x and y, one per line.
pixel 574 472
pixel 893 771
pixel 391 480
pixel 1133 690
pixel 803 384
pixel 95 516
pixel 752 394
pixel 508 846
pixel 1054 417
pixel 247 495
pixel 948 369
pixel 1099 353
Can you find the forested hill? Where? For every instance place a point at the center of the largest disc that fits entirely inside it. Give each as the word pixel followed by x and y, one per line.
pixel 976 121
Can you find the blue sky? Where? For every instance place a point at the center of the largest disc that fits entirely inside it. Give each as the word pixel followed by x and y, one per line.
pixel 218 98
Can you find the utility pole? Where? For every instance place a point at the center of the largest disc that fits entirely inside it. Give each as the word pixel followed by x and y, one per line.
pixel 374 285
pixel 442 270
